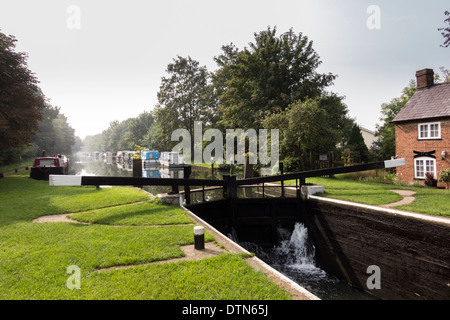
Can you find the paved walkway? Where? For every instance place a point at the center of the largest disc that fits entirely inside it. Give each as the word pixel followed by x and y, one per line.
pixel 408 197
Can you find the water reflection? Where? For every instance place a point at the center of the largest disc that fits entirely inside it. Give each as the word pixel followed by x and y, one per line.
pixel 96 166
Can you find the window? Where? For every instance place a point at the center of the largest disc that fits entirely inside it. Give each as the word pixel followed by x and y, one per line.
pixel 423 165
pixel 430 130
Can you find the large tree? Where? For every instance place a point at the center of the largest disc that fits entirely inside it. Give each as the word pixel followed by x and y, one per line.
pixel 312 126
pixel 184 97
pixel 54 134
pixel 360 152
pixel 270 75
pixel 21 100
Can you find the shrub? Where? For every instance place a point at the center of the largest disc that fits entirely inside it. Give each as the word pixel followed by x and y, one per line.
pixel 444 176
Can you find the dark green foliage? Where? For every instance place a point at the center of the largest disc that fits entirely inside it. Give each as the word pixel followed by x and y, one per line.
pixel 266 78
pixel 360 152
pixel 21 100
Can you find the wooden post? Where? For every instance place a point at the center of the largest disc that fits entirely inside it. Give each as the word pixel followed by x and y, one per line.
pixel 225 178
pixel 232 187
pixel 187 188
pixel 282 181
pixel 137 168
pixel 248 168
pixel 231 195
pixel 331 162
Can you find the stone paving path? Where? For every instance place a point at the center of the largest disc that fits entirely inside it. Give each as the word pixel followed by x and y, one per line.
pixel 408 197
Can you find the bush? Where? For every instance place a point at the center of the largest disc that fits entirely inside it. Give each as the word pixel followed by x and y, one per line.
pixel 292 165
pixel 444 176
pixel 378 176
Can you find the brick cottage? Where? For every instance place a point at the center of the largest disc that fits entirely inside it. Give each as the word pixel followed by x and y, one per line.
pixel 422 130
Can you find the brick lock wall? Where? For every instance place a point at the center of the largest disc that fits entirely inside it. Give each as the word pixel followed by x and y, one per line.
pixel 406 136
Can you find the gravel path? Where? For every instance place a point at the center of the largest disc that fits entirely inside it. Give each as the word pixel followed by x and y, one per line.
pixel 408 197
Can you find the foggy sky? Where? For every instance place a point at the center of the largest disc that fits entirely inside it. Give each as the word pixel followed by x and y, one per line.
pixel 109 66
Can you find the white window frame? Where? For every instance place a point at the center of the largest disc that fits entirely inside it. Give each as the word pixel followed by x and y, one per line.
pixel 421 166
pixel 427 132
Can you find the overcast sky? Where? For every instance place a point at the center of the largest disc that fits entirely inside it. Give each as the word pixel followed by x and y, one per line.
pixel 101 60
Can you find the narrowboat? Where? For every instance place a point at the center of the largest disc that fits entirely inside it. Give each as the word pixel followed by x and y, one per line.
pixel 171 159
pixel 44 166
pixel 150 156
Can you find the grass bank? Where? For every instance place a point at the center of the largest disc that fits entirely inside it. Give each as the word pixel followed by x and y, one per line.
pixel 127 229
pixel 12 167
pixel 427 200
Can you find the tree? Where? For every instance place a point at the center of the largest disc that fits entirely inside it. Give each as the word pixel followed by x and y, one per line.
pixel 385 145
pixel 446 31
pixel 315 125
pixel 159 134
pixel 184 97
pixel 54 134
pixel 269 76
pixel 136 131
pixel 360 152
pixel 21 100
pixel 445 73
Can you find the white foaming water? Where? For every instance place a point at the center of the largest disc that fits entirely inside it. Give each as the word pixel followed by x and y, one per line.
pixel 296 251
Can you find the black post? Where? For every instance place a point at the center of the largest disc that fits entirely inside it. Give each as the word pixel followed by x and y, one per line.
pixel 282 181
pixel 137 169
pixel 226 179
pixel 187 188
pixel 232 197
pixel 199 238
pixel 232 187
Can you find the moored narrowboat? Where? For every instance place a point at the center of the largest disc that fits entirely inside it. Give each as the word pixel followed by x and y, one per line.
pixel 44 166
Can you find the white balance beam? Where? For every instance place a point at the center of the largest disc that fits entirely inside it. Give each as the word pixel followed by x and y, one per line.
pixel 394 163
pixel 64 180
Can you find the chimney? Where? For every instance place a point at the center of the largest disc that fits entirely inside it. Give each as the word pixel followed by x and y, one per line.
pixel 425 78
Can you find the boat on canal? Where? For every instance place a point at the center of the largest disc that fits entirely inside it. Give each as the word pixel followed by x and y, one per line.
pixel 44 166
pixel 171 159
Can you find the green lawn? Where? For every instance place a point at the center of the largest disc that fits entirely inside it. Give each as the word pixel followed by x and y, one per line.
pixel 128 229
pixel 428 200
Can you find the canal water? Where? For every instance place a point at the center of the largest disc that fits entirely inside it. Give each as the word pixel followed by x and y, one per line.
pixel 294 256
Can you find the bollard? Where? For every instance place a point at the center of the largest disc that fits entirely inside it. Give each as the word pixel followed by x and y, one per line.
pixel 199 238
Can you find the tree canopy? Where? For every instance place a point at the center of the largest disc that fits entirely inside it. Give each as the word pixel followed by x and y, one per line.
pixel 21 100
pixel 270 75
pixel 312 126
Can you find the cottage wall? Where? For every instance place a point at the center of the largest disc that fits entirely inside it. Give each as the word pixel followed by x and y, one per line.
pixel 406 134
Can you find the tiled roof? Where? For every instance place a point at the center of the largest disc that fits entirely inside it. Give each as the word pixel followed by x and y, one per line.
pixel 427 103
